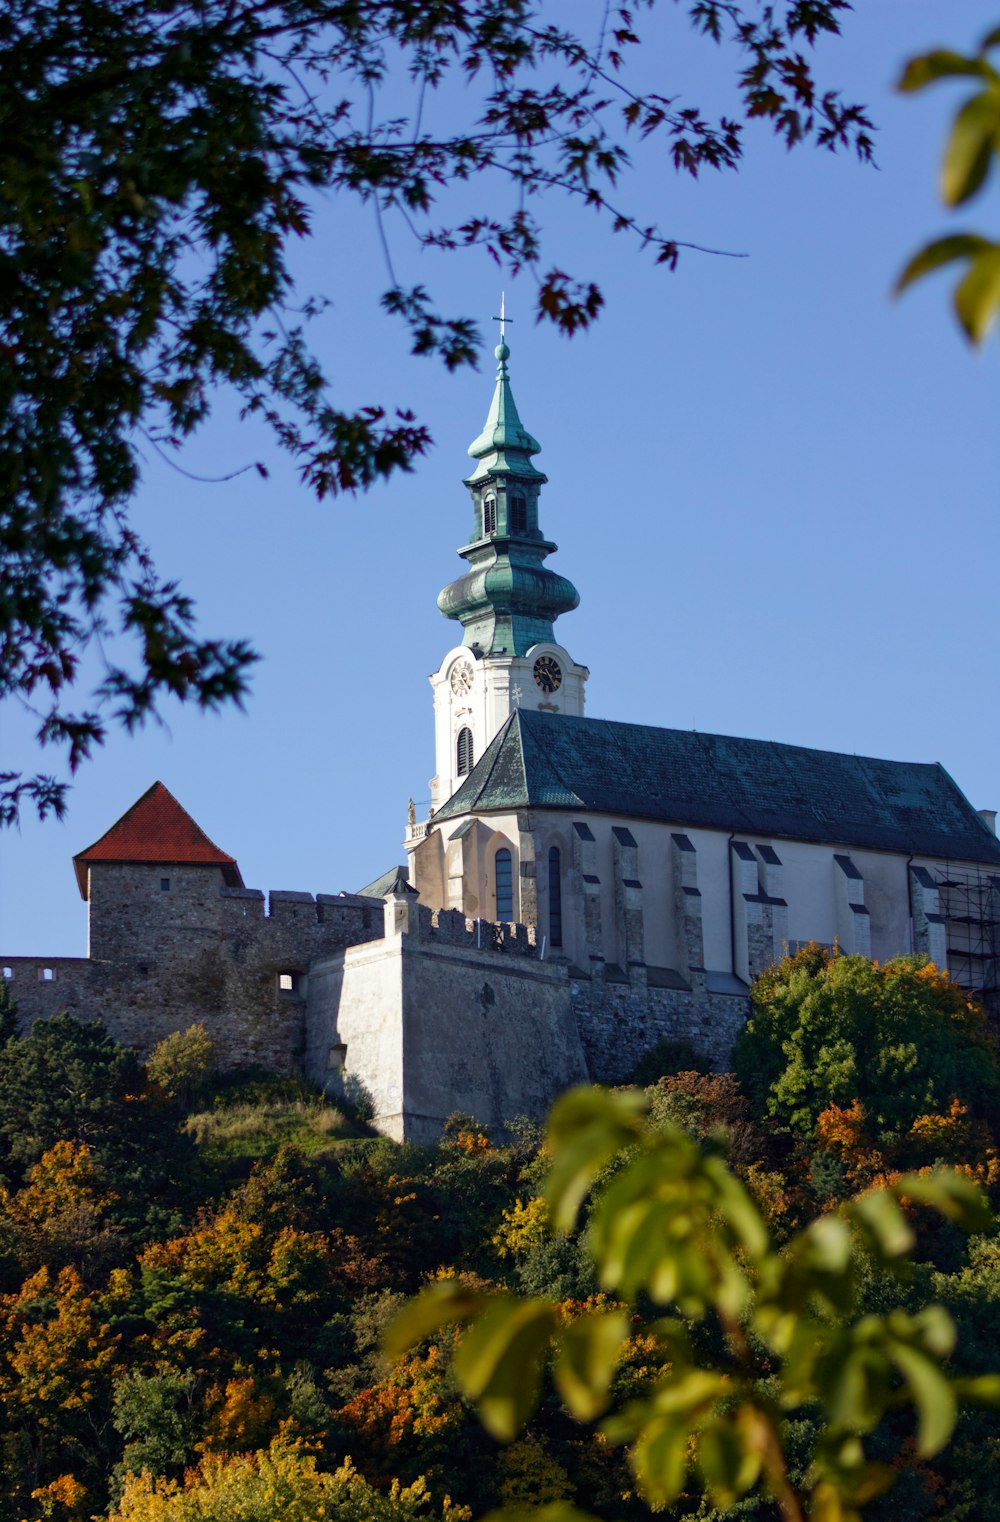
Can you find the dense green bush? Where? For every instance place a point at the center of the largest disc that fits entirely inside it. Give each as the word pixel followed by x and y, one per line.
pixel 899 1037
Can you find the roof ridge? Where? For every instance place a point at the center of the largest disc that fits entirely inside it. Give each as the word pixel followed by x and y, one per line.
pixel 491 755
pixel 708 734
pixel 770 787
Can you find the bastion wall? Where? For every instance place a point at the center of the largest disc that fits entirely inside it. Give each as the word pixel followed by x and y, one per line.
pixel 419 1013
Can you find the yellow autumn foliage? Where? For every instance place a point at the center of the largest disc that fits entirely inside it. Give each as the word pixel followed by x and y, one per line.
pixel 283 1483
pixel 521 1228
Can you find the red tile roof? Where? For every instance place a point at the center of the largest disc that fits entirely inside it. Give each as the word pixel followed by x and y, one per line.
pixel 156 829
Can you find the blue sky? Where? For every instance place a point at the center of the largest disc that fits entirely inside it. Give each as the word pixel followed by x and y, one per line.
pixel 775 488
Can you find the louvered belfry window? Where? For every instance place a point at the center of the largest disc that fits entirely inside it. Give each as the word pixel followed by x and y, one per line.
pixel 490 515
pixel 518 515
pixel 465 756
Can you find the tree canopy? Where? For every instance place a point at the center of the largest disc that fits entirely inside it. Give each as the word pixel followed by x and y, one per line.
pixel 159 161
pixel 899 1037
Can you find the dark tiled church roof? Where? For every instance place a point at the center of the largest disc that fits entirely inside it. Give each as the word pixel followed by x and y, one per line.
pixel 157 829
pixel 757 787
pixel 384 883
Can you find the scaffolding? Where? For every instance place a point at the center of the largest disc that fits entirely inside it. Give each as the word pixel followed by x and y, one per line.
pixel 970 904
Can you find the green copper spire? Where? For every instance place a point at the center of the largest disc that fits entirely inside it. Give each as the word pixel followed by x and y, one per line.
pixel 507 601
pixel 503 428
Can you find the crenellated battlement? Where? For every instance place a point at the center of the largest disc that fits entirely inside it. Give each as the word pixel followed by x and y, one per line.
pixel 174 945
pixel 456 929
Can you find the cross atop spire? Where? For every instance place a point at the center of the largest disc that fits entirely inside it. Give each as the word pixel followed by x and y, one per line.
pixel 502 319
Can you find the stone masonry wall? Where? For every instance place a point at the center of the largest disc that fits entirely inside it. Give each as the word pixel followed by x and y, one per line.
pixel 618 1022
pixel 198 952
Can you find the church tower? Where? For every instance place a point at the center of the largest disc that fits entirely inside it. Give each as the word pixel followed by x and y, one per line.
pixel 506 602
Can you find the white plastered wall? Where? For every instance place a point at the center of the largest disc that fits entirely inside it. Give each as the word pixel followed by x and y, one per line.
pixel 498 686
pixel 808 875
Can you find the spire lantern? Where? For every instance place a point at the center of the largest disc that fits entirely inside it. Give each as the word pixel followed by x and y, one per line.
pixel 508 600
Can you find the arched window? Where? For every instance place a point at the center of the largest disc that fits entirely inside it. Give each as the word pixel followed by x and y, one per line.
pixel 555 897
pixel 518 515
pixel 465 756
pixel 504 868
pixel 490 515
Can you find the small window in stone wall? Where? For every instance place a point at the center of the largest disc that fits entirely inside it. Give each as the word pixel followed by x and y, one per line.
pixel 46 974
pixel 337 1058
pixel 164 884
pixel 288 982
pixel 8 974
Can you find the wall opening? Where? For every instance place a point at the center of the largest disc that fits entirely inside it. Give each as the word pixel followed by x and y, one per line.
pixel 46 974
pixel 337 1058
pixel 164 884
pixel 465 754
pixel 288 982
pixel 518 515
pixel 8 974
pixel 490 515
pixel 503 868
pixel 555 897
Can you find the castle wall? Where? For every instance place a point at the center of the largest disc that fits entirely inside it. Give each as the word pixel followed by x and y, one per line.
pixel 354 1041
pixel 195 952
pixel 485 1033
pixel 453 1015
pixel 618 1023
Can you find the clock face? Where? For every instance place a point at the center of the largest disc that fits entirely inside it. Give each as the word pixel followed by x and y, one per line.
pixel 547 673
pixel 462 678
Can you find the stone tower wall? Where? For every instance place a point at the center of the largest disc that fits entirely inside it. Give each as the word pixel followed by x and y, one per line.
pixel 197 952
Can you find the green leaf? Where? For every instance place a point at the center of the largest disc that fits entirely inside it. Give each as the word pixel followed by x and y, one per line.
pixel 739 1209
pixel 660 1460
pixel 631 1248
pixel 587 1127
pixel 932 1395
pixel 444 1301
pixel 982 1390
pixel 884 1224
pixel 938 253
pixel 977 296
pixel 587 1358
pixel 688 1394
pixel 940 64
pixel 826 1246
pixel 729 1465
pixel 952 1194
pixel 498 1362
pixel 935 1330
pixel 974 134
pixel 855 1388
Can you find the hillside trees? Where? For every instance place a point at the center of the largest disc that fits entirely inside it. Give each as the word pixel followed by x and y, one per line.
pixel 280 1484
pixel 750 1339
pixel 900 1038
pixel 159 162
pixel 68 1081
